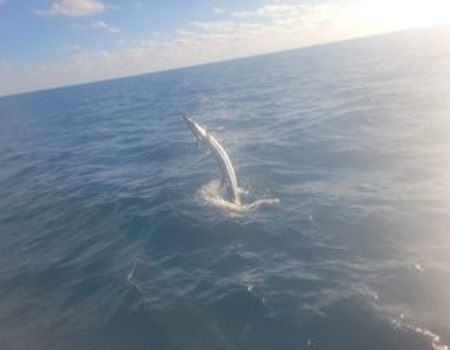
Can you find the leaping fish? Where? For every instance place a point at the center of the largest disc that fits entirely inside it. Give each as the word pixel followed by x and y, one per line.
pixel 221 156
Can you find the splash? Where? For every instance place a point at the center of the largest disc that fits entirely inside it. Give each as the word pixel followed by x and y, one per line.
pixel 212 193
pixel 433 338
pixel 215 194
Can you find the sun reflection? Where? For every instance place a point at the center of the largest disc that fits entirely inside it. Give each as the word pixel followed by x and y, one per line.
pixel 402 14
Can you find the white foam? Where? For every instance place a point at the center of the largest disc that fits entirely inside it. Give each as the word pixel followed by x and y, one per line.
pixel 213 194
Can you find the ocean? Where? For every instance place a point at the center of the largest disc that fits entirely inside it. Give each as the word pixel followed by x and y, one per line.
pixel 113 234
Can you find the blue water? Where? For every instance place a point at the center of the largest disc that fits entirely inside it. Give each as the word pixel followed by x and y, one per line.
pixel 108 242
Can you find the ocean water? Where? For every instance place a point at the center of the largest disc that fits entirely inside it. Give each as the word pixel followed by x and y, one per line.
pixel 110 237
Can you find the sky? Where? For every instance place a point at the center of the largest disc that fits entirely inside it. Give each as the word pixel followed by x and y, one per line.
pixel 52 43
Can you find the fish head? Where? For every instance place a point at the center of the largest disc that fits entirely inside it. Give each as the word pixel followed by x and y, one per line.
pixel 199 131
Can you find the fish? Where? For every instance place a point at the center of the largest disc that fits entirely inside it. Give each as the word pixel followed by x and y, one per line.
pixel 229 179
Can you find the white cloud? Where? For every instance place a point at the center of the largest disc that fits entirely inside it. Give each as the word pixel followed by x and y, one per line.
pixel 73 8
pixel 104 26
pixel 273 11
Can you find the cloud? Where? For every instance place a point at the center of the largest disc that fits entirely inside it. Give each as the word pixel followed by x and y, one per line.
pixel 2 2
pixel 274 27
pixel 273 11
pixel 73 8
pixel 104 26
